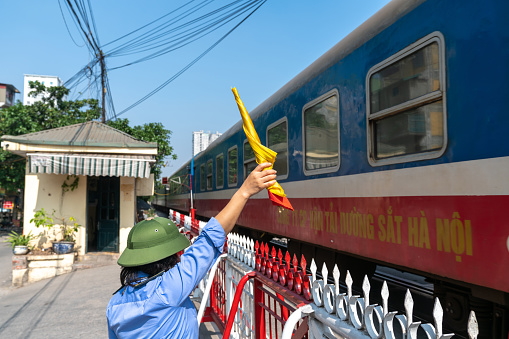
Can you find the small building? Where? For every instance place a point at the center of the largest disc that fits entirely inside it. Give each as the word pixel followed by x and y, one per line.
pixel 202 140
pixel 7 94
pixel 89 171
pixel 46 80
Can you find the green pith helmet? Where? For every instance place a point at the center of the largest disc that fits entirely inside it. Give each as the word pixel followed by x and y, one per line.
pixel 152 240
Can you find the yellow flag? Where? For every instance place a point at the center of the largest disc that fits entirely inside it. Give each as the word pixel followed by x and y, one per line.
pixel 262 153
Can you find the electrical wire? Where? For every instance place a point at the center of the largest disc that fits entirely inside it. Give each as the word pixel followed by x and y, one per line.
pixel 144 26
pixel 151 39
pixel 157 38
pixel 67 27
pixel 197 36
pixel 176 75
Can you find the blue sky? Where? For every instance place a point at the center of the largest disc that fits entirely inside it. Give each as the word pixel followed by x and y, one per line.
pixel 271 47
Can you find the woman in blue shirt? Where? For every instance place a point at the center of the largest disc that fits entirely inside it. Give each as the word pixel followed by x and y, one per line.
pixel 157 280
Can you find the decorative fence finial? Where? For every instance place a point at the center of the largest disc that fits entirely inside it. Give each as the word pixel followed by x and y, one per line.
pixel 373 321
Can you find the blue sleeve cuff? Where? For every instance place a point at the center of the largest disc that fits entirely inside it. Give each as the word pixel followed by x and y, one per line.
pixel 215 232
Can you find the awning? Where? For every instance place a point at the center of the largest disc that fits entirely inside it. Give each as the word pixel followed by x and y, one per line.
pixel 137 166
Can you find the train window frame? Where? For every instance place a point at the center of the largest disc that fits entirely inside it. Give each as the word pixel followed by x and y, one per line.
pixel 271 126
pixel 228 167
pixel 218 186
pixel 430 97
pixel 312 103
pixel 245 161
pixel 210 175
pixel 203 178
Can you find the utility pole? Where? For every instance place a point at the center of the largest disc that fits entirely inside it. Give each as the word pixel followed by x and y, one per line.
pixel 103 76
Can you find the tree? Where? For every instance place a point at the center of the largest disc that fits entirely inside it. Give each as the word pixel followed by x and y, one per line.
pixel 55 111
pixel 151 132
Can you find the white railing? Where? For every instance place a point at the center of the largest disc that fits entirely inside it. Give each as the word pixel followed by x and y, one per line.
pixel 332 311
pixel 352 316
pixel 244 322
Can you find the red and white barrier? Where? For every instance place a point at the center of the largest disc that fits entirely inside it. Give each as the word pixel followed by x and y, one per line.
pixel 280 299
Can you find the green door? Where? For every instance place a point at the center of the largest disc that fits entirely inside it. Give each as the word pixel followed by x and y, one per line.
pixel 108 190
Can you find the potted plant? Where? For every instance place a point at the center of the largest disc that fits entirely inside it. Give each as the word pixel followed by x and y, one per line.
pixel 151 213
pixel 19 242
pixel 68 229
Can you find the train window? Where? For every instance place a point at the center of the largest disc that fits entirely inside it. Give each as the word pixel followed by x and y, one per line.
pixel 232 166
pixel 220 171
pixel 202 177
pixel 321 134
pixel 406 104
pixel 249 159
pixel 209 175
pixel 277 140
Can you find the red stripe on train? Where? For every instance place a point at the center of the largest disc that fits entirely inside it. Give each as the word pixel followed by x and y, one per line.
pixel 459 237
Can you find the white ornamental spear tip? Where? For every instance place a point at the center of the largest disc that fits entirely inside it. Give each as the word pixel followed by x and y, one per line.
pixel 473 326
pixel 313 269
pixel 366 287
pixel 325 274
pixel 409 307
pixel 438 316
pixel 335 274
pixel 385 298
pixel 349 283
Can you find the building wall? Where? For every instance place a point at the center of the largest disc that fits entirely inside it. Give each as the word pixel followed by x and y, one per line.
pixel 127 210
pixel 45 191
pixel 202 140
pixel 7 95
pixel 46 80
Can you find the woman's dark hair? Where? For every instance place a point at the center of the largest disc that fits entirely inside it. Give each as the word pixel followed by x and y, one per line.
pixel 129 275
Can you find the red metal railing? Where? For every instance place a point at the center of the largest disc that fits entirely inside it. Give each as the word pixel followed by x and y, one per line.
pixel 279 289
pixel 218 298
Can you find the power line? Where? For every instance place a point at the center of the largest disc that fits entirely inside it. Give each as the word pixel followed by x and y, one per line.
pixel 191 37
pixel 67 27
pixel 176 75
pixel 164 37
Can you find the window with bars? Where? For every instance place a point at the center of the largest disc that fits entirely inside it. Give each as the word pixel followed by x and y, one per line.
pixel 232 166
pixel 321 134
pixel 209 175
pixel 277 140
pixel 249 159
pixel 406 104
pixel 203 177
pixel 220 171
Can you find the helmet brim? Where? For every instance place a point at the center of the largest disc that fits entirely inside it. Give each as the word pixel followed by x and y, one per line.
pixel 143 256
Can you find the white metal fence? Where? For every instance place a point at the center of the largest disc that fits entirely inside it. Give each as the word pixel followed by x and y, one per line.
pixel 330 311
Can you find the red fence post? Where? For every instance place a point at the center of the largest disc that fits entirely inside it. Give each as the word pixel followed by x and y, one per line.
pixel 259 324
pixel 235 304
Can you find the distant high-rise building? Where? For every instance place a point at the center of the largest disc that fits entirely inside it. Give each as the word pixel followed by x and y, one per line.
pixel 201 140
pixel 7 93
pixel 46 80
pixel 213 136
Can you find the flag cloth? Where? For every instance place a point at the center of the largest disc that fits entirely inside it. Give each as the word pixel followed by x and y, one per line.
pixel 263 154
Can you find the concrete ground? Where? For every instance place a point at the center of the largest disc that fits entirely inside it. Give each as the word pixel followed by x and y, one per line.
pixel 72 305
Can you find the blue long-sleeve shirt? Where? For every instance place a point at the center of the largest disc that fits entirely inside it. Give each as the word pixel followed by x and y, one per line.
pixel 162 307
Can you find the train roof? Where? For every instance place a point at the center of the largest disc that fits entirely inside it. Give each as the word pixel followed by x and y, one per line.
pixel 382 19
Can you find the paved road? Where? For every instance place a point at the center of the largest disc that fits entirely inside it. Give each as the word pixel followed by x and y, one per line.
pixel 68 306
pixel 5 265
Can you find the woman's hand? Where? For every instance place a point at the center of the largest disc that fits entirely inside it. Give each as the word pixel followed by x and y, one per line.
pixel 255 182
pixel 258 180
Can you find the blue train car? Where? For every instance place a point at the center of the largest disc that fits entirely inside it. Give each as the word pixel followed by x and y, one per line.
pixel 391 148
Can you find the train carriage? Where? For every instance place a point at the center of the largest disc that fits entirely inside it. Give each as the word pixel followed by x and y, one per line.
pixel 391 148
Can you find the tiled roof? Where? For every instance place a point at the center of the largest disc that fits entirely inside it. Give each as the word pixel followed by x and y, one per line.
pixel 91 133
